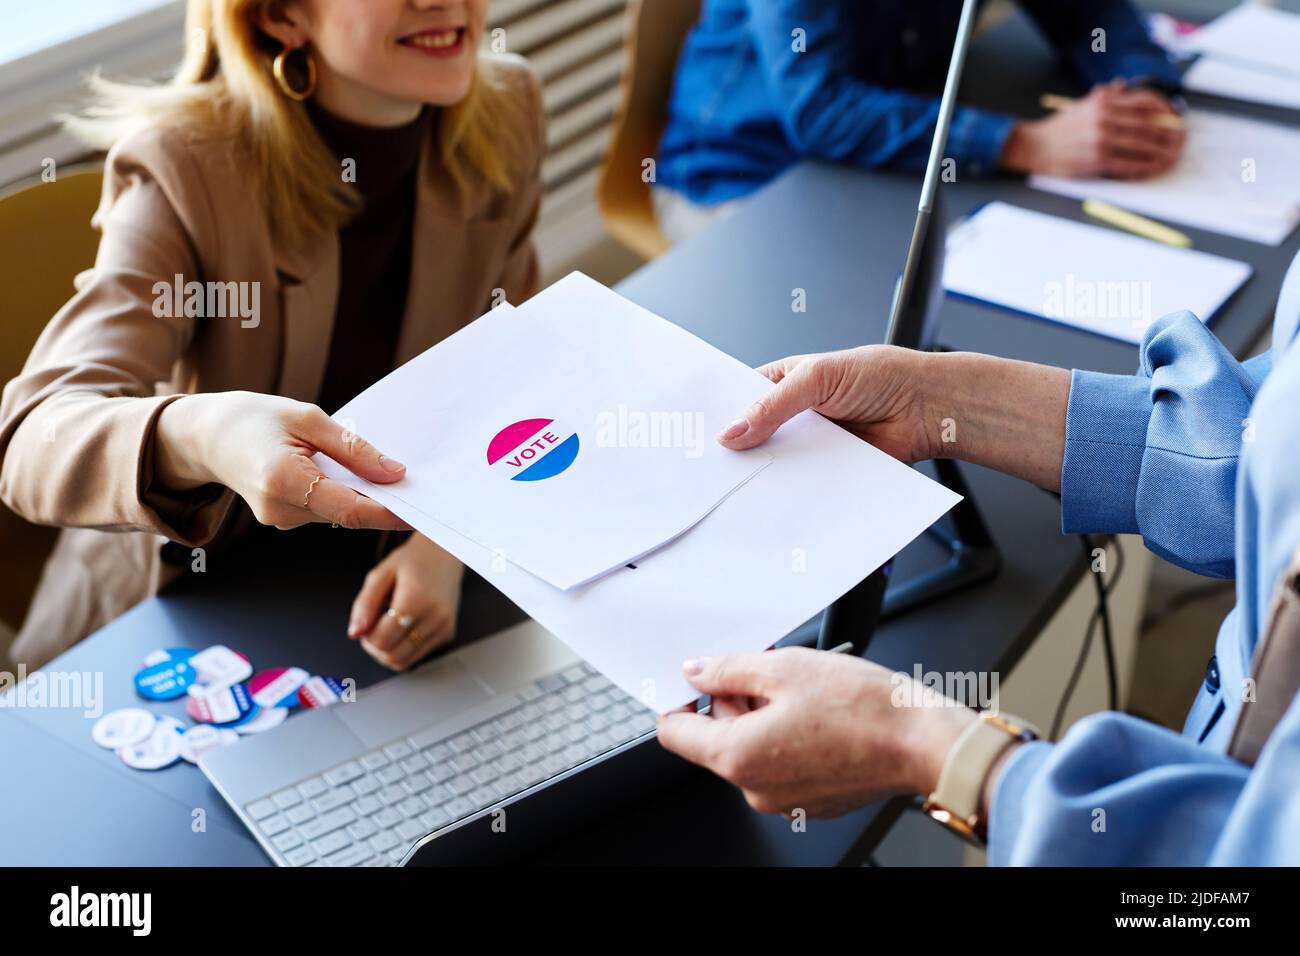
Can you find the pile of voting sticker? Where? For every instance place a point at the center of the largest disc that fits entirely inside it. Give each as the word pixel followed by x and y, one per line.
pixel 223 696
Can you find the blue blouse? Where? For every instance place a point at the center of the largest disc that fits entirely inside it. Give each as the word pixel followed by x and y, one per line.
pixel 1199 454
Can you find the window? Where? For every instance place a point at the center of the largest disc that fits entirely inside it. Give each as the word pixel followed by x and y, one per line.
pixel 46 51
pixel 35 27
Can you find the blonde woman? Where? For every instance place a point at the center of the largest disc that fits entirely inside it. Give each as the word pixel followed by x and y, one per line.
pixel 324 190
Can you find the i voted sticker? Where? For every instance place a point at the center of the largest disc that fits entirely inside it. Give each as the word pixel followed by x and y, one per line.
pixel 218 665
pixel 321 692
pixel 123 728
pixel 161 748
pixel 201 738
pixel 220 705
pixel 265 719
pixel 277 687
pixel 166 680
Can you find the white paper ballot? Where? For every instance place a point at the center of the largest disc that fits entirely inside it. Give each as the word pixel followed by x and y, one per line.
pixel 1254 35
pixel 573 435
pixel 1085 276
pixel 828 511
pixel 1240 81
pixel 1236 177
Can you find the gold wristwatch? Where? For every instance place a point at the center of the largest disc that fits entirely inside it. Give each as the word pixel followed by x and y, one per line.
pixel 956 800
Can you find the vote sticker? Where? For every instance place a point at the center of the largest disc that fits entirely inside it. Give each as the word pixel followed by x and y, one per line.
pixel 532 449
pixel 218 664
pixel 166 680
pixel 123 728
pixel 265 719
pixel 220 705
pixel 277 687
pixel 161 748
pixel 201 738
pixel 321 692
pixel 168 654
pixel 240 723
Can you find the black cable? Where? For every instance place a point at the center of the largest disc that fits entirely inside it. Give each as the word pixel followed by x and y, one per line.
pixel 1100 615
pixel 1107 637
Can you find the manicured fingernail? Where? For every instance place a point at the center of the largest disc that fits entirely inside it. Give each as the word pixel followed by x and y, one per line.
pixel 694 665
pixel 390 465
pixel 734 430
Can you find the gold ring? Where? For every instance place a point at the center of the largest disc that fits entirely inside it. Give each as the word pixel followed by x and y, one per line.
pixel 415 636
pixel 306 499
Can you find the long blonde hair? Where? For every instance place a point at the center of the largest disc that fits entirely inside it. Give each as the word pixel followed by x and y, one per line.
pixel 224 90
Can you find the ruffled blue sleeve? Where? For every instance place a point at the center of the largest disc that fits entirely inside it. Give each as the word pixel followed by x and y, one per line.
pixel 1118 791
pixel 1156 453
pixel 1187 455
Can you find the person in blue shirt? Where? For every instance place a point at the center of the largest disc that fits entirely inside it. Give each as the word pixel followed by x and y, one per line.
pixel 1197 453
pixel 762 84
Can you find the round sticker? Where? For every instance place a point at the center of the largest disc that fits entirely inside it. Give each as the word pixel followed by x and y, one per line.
pixel 239 723
pixel 220 705
pixel 321 692
pixel 201 738
pixel 264 719
pixel 277 687
pixel 218 664
pixel 123 728
pixel 165 680
pixel 162 748
pixel 168 654
pixel 532 449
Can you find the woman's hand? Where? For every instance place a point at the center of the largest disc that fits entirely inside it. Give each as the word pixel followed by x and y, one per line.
pixel 408 603
pixel 798 729
pixel 261 446
pixel 871 391
pixel 1113 131
pixel 1006 415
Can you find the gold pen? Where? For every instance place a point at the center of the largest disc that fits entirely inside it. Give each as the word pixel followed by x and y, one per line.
pixel 1138 225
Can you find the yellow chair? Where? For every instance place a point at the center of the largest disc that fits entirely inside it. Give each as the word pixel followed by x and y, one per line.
pixel 656 31
pixel 45 240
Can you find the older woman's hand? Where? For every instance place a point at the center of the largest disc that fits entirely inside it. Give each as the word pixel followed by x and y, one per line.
pixel 869 390
pixel 996 412
pixel 797 729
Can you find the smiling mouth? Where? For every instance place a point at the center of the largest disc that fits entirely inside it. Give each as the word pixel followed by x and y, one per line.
pixel 440 42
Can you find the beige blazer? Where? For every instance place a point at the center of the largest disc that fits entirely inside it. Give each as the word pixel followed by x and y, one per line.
pixel 76 426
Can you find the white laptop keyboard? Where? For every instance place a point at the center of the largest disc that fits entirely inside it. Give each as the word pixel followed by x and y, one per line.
pixel 370 810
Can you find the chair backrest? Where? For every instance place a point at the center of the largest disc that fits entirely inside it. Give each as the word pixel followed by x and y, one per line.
pixel 655 34
pixel 45 240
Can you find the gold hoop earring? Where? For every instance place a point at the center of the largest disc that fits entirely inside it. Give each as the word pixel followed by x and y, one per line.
pixel 282 77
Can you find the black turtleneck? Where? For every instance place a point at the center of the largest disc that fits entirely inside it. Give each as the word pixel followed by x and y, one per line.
pixel 374 251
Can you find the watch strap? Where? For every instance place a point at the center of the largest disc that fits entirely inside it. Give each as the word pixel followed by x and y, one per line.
pixel 956 799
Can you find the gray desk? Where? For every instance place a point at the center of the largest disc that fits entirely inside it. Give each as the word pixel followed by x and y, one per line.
pixel 839 235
